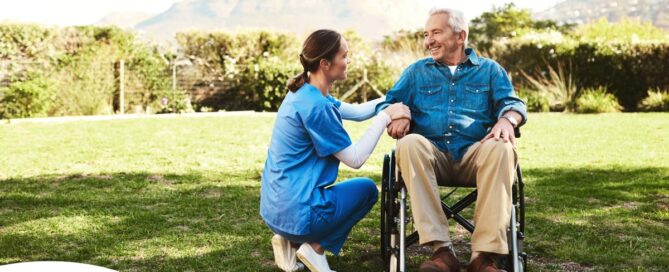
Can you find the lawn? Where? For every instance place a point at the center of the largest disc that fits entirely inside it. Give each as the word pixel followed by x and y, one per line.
pixel 181 194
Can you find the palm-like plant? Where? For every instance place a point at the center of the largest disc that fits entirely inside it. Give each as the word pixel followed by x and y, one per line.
pixel 559 84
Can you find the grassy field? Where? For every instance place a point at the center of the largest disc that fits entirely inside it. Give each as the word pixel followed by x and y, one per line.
pixel 182 194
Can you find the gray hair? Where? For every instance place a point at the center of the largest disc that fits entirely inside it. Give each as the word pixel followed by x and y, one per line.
pixel 456 19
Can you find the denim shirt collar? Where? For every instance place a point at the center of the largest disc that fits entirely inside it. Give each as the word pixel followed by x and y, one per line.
pixel 469 52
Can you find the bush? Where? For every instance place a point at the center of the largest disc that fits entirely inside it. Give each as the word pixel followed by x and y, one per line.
pixel 625 58
pixel 655 101
pixel 597 101
pixel 249 70
pixel 558 86
pixel 27 98
pixel 535 101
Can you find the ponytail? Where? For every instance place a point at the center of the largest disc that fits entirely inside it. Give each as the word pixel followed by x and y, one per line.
pixel 296 82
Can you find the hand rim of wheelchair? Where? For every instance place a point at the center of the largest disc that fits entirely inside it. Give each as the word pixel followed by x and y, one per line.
pixel 516 260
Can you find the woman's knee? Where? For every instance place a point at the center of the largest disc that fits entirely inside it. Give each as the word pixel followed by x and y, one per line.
pixel 366 188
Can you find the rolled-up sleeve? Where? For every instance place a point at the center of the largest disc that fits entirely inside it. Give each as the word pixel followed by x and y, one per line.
pixel 400 92
pixel 504 97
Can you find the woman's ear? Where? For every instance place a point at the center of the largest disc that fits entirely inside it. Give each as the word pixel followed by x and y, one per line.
pixel 325 64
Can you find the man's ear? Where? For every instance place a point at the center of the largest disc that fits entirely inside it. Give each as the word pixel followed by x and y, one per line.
pixel 462 36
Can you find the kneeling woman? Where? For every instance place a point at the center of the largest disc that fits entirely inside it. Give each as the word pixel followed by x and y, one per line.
pixel 297 200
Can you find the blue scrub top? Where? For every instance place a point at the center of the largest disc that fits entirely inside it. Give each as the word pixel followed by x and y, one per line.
pixel 307 132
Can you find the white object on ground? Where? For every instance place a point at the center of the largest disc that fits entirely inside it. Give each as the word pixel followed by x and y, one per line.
pixel 53 266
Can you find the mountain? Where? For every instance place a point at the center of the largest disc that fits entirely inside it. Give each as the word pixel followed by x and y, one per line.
pixel 124 19
pixel 370 18
pixel 584 11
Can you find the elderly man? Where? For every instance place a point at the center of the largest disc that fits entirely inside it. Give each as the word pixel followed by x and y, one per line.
pixel 464 112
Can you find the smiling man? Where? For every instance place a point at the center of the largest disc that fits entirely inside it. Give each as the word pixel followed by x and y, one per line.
pixel 464 112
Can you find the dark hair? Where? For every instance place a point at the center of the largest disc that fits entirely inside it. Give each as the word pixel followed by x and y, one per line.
pixel 322 44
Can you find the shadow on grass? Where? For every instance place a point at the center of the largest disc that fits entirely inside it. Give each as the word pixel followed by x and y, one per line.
pixel 597 218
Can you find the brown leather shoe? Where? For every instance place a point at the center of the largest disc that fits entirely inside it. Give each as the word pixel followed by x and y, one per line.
pixel 483 263
pixel 442 260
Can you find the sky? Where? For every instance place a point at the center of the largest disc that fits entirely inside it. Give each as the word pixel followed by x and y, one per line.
pixel 83 12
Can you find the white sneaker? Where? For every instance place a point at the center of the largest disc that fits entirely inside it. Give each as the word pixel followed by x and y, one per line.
pixel 314 261
pixel 284 254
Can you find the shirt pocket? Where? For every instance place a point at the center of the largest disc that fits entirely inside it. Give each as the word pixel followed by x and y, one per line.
pixel 429 96
pixel 477 96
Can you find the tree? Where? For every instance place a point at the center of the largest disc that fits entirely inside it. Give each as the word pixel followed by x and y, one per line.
pixel 506 22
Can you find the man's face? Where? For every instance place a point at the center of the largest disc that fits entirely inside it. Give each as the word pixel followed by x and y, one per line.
pixel 439 38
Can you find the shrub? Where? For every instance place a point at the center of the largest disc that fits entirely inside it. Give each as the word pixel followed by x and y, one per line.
pixel 26 98
pixel 597 101
pixel 558 85
pixel 655 101
pixel 536 101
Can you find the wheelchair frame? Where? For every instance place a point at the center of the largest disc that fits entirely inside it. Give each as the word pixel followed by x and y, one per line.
pixel 394 219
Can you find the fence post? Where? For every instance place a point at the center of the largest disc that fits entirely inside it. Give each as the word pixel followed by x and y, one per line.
pixel 121 93
pixel 174 78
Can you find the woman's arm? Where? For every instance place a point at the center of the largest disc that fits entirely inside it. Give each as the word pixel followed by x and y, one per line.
pixel 357 154
pixel 359 112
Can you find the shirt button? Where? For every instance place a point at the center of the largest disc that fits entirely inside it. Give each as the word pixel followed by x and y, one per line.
pixel 450 111
pixel 453 84
pixel 452 100
pixel 450 127
pixel 448 142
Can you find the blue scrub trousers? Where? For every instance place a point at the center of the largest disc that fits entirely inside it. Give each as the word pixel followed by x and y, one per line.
pixel 352 199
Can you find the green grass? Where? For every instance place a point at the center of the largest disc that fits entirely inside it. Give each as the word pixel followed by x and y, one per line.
pixel 182 194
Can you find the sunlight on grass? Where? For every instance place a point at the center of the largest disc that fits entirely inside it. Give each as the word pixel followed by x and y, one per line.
pixel 182 194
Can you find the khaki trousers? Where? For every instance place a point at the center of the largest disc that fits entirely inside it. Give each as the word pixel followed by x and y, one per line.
pixel 491 165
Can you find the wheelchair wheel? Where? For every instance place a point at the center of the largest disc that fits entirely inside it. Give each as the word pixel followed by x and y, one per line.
pixel 395 237
pixel 389 211
pixel 516 261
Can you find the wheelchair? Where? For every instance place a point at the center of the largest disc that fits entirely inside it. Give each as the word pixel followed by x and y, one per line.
pixel 397 234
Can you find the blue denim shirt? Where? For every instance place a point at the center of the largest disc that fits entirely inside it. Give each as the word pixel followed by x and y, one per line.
pixel 455 110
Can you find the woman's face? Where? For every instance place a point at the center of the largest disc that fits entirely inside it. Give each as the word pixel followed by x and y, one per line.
pixel 336 70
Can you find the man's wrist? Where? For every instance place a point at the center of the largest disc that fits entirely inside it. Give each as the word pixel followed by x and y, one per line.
pixel 512 120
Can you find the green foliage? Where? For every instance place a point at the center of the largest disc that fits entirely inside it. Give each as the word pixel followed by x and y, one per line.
pixel 625 69
pixel 248 70
pixel 380 73
pixel 506 21
pixel 625 31
pixel 28 98
pixel 655 101
pixel 176 102
pixel 597 101
pixel 406 41
pixel 535 101
pixel 558 85
pixel 24 41
pixel 82 65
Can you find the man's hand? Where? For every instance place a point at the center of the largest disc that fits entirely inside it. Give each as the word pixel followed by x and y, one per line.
pixel 504 130
pixel 399 128
pixel 398 111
